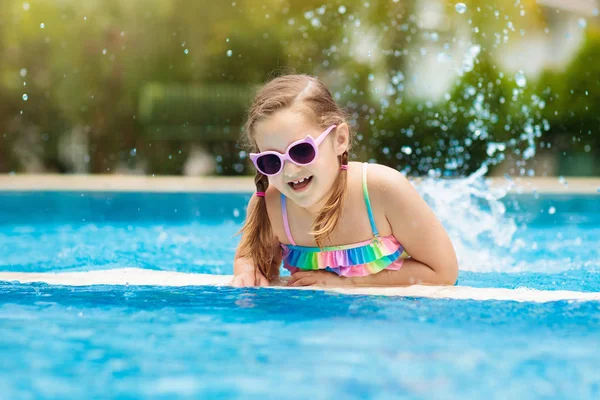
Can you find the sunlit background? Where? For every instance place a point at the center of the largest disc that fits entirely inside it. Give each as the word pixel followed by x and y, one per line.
pixel 433 87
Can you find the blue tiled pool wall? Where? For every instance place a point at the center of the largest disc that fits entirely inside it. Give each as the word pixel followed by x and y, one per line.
pixel 75 207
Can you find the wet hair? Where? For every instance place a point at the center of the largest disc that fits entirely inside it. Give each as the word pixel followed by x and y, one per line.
pixel 310 97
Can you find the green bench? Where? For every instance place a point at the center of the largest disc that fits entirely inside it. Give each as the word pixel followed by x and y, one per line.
pixel 203 112
pixel 181 116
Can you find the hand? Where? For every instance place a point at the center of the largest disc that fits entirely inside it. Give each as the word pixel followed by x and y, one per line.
pixel 318 278
pixel 249 279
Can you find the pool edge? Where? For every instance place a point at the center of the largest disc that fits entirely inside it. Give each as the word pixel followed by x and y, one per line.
pixel 175 184
pixel 144 277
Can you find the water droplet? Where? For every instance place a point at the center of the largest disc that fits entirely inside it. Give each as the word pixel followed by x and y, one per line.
pixel 460 8
pixel 528 153
pixel 406 150
pixel 595 12
pixel 563 181
pixel 25 97
pixel 552 210
pixel 42 25
pixel 229 53
pixel 186 51
pixel 520 79
pixel 236 212
pixel 133 152
pixel 582 23
pixel 104 51
pixel 342 9
pixel 26 6
pixel 227 40
pixel 23 72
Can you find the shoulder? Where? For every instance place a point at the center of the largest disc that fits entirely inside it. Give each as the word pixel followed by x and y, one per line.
pixel 388 187
pixel 383 178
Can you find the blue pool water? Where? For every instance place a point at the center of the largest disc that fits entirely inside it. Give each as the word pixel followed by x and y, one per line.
pixel 211 342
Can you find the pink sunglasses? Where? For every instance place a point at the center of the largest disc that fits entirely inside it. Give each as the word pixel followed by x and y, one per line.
pixel 301 152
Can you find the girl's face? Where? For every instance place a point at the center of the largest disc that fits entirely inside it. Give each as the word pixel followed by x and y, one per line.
pixel 277 132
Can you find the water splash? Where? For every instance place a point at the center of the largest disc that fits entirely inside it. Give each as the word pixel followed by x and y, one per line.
pixel 475 218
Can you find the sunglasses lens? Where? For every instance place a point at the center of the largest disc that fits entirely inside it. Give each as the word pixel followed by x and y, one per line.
pixel 302 153
pixel 269 164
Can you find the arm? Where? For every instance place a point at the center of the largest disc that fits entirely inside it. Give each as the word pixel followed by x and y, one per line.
pixel 244 271
pixel 433 260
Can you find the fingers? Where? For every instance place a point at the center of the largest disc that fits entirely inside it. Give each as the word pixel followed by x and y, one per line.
pixel 306 281
pixel 298 275
pixel 262 281
pixel 249 280
pixel 243 280
pixel 239 282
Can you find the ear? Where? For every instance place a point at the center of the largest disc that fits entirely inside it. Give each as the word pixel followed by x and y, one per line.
pixel 342 139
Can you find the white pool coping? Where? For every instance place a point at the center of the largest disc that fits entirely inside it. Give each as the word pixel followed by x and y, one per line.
pixel 143 277
pixel 174 184
pixel 171 184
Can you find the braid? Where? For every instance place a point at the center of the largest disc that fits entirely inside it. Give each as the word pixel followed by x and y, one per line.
pixel 261 181
pixel 257 234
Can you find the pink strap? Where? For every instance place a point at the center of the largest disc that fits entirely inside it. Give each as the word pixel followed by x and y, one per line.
pixel 260 194
pixel 286 225
pixel 345 167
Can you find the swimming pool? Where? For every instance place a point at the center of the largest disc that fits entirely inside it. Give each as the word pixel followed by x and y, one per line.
pixel 60 341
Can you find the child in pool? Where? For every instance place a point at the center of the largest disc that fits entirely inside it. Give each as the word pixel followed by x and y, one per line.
pixel 331 222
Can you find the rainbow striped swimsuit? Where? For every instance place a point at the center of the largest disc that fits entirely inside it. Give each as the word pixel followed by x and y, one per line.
pixel 358 259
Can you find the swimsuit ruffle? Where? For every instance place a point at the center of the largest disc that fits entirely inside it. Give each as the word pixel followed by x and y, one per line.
pixel 365 258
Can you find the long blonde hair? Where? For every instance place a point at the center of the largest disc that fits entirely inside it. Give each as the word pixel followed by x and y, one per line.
pixel 315 101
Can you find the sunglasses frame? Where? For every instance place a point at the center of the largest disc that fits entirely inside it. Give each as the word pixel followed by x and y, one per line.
pixel 286 156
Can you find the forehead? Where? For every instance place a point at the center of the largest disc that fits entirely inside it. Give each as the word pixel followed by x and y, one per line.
pixel 277 131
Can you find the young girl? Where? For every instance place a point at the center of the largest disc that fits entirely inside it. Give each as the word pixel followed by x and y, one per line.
pixel 331 222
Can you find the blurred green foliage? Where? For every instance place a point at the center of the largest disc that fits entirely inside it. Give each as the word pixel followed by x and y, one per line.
pixel 101 85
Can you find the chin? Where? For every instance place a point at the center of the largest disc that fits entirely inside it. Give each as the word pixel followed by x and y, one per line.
pixel 304 203
pixel 306 200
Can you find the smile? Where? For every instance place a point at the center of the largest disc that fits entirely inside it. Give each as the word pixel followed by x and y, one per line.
pixel 300 184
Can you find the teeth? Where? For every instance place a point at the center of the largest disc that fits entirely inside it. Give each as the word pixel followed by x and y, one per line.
pixel 300 181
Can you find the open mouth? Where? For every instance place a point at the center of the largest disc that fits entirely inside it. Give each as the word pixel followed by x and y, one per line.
pixel 300 184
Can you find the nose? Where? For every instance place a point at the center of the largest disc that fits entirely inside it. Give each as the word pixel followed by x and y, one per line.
pixel 291 170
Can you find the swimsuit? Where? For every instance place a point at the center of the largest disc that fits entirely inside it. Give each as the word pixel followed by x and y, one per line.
pixel 358 259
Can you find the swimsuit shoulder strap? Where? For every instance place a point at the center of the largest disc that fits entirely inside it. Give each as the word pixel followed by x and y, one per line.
pixel 286 224
pixel 367 201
